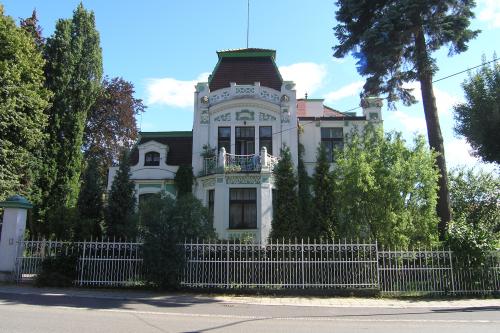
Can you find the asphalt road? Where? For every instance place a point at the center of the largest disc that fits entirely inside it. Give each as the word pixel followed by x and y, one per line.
pixel 59 313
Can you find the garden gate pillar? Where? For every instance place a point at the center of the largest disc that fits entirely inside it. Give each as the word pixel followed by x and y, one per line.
pixel 13 227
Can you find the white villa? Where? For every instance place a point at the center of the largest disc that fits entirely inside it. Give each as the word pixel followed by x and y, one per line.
pixel 245 113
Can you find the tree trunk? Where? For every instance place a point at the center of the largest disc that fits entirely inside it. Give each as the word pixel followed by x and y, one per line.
pixel 433 130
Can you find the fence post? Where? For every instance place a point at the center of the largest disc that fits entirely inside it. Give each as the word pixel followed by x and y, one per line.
pixel 302 252
pixel 13 227
pixel 452 272
pixel 227 264
pixel 378 264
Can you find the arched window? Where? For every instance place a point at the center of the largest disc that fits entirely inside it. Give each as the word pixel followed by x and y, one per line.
pixel 152 159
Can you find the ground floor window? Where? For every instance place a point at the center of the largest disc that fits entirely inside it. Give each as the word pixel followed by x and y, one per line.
pixel 211 202
pixel 242 208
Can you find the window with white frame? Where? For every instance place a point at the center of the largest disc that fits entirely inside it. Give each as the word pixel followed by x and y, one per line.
pixel 332 138
pixel 242 208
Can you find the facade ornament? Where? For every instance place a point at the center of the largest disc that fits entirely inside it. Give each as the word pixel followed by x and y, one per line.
pixel 245 115
pixel 204 117
pixel 266 117
pixel 285 99
pixel 371 101
pixel 204 100
pixel 223 117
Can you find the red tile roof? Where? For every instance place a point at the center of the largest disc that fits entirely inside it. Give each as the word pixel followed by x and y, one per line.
pixel 327 111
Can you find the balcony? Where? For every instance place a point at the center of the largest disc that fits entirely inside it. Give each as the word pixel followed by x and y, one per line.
pixel 231 163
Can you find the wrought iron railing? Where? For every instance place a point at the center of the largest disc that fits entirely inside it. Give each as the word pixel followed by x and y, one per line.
pixel 242 163
pixel 277 265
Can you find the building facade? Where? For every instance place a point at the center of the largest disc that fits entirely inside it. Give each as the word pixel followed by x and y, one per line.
pixel 243 116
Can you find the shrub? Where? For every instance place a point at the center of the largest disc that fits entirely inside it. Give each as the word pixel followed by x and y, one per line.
pixel 58 271
pixel 165 223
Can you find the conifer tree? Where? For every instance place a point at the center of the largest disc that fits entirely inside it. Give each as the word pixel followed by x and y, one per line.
pixel 120 220
pixel 305 198
pixel 31 26
pixel 73 73
pixel 393 42
pixel 285 208
pixel 322 225
pixel 90 202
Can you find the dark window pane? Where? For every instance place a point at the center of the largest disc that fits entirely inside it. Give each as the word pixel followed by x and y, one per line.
pixel 225 132
pixel 224 139
pixel 152 159
pixel 243 208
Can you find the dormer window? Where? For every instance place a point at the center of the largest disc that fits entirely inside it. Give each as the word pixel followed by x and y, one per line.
pixel 152 159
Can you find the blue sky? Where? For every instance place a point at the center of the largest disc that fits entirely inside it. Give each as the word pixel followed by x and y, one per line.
pixel 165 46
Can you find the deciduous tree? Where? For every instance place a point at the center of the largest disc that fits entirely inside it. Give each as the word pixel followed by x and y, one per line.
pixel 23 99
pixel 478 118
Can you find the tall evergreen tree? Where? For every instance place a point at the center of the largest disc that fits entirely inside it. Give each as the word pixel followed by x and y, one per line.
pixel 478 119
pixel 73 71
pixel 323 203
pixel 285 222
pixel 120 220
pixel 393 42
pixel 305 198
pixel 90 202
pixel 23 99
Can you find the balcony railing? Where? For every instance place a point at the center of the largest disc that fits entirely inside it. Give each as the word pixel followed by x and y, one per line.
pixel 231 163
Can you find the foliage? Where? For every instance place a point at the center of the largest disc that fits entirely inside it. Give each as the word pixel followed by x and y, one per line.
pixel 285 222
pixel 23 99
pixel 323 225
pixel 393 42
pixel 472 244
pixel 73 74
pixel 166 222
pixel 304 192
pixel 58 271
pixel 61 223
pixel 475 200
pixel 120 218
pixel 111 125
pixel 184 179
pixel 478 119
pixel 207 151
pixel 90 202
pixel 385 190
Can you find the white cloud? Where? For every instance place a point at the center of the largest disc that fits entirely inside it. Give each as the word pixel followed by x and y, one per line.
pixel 490 12
pixel 173 92
pixel 444 100
pixel 351 89
pixel 410 123
pixel 307 76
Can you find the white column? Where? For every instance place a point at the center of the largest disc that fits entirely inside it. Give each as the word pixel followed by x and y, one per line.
pixel 14 225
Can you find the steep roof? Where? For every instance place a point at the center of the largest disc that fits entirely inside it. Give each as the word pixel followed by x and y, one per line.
pixel 246 66
pixel 180 145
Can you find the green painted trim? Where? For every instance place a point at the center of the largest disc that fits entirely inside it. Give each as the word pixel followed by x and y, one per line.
pixel 16 201
pixel 246 53
pixel 149 185
pixel 165 134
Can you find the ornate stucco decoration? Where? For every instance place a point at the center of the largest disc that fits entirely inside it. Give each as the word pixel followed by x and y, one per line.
pixel 208 182
pixel 204 100
pixel 223 117
pixel 245 115
pixel 204 117
pixel 285 116
pixel 242 179
pixel 266 117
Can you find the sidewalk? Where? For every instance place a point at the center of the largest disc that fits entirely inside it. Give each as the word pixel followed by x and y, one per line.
pixel 137 295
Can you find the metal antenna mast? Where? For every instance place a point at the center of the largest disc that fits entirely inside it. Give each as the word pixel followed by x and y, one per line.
pixel 248 20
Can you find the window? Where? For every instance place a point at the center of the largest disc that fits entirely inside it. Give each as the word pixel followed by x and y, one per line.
pixel 245 140
pixel 332 138
pixel 242 208
pixel 152 159
pixel 224 139
pixel 211 202
pixel 266 138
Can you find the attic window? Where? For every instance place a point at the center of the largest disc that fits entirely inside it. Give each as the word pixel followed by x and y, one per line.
pixel 152 159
